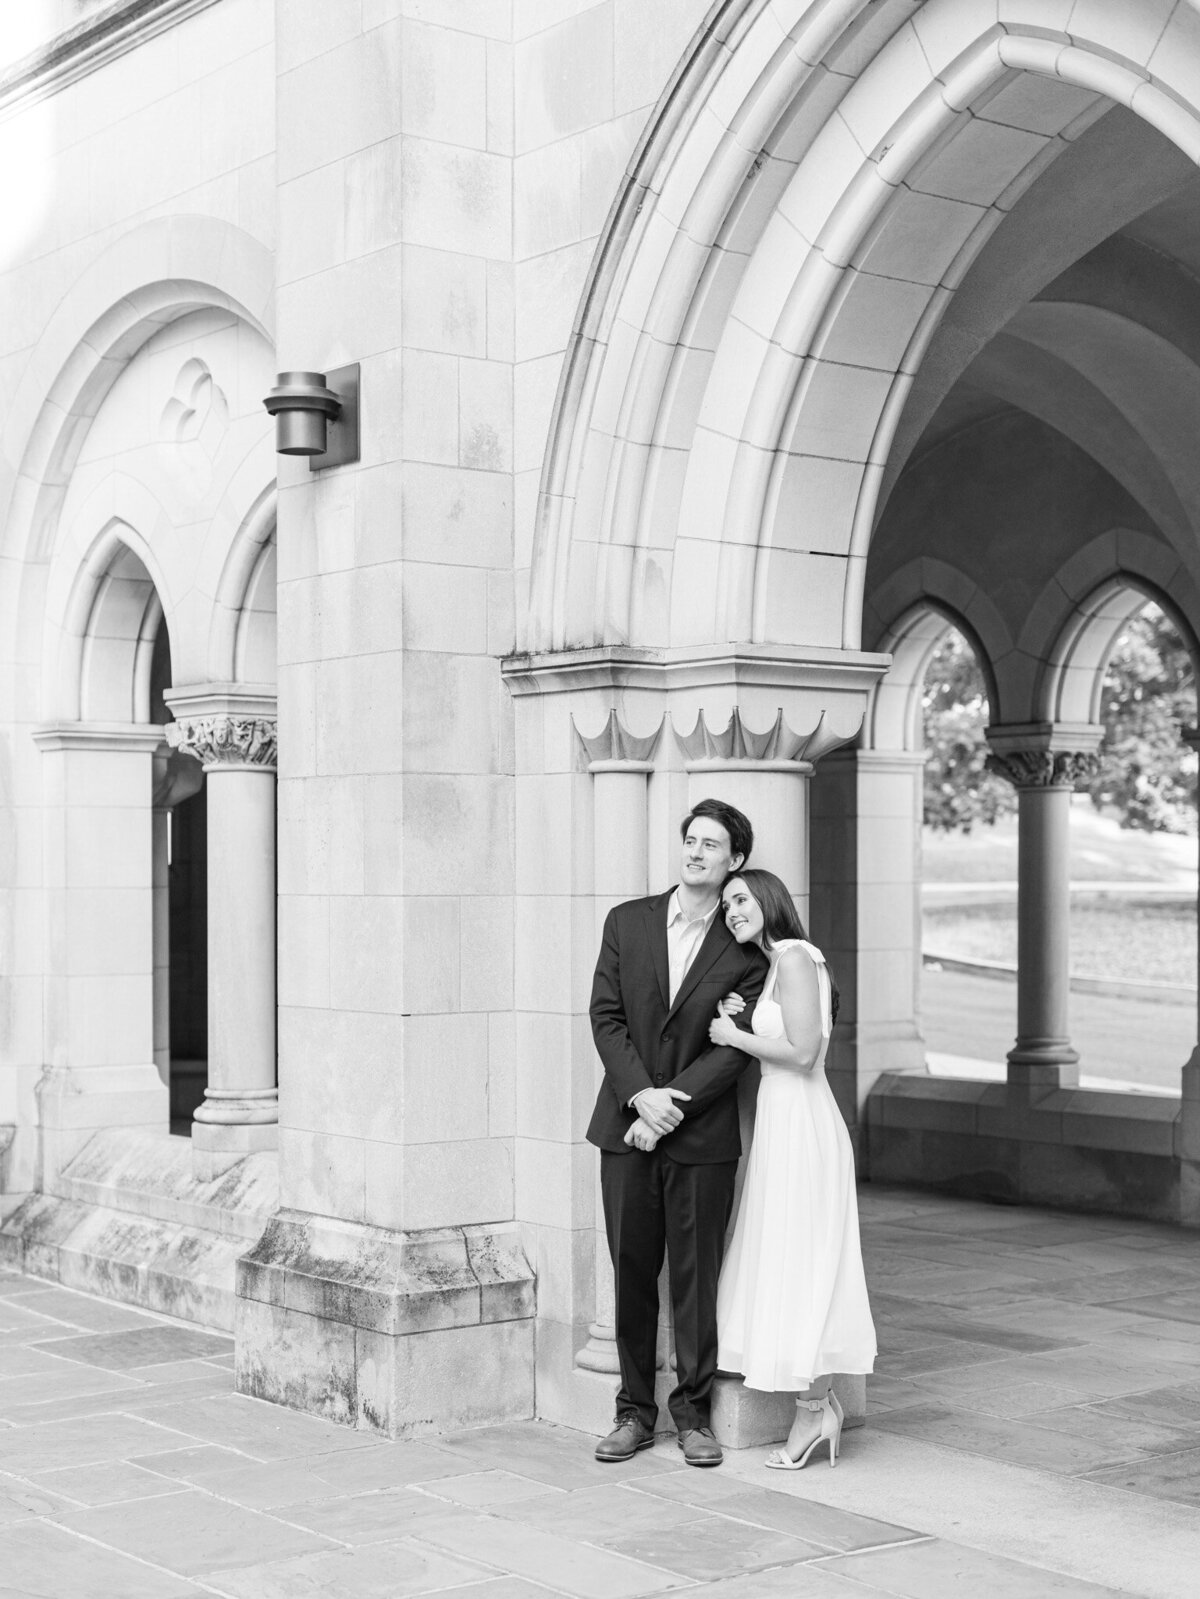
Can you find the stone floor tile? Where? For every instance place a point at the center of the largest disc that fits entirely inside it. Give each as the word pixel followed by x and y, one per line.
pixel 932 1286
pixel 554 1455
pixel 385 1465
pixel 1173 1476
pixel 255 1485
pixel 1012 1441
pixel 503 1588
pixel 139 1346
pixel 259 1429
pixel 1178 1305
pixel 581 1570
pixel 16 1316
pixel 952 1355
pixel 950 1324
pixel 109 1483
pixel 194 1464
pixel 1022 1399
pixel 1124 1436
pixel 198 1533
pixel 28 1360
pixel 892 1392
pixel 382 1571
pixel 713 1547
pixel 1053 1317
pixel 479 1488
pixel 1174 1407
pixel 80 1311
pixel 131 1396
pixel 44 1561
pixel 84 1442
pixel 591 1514
pixel 1105 1372
pixel 822 1525
pixel 218 1379
pixel 21 1499
pixel 71 1382
pixel 935 1569
pixel 787 1582
pixel 370 1517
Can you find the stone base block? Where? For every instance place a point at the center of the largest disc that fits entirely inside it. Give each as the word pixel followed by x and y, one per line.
pixel 744 1418
pixel 398 1333
pixel 217 1148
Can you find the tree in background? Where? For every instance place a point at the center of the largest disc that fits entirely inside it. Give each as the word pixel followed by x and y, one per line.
pixel 1147 774
pixel 959 790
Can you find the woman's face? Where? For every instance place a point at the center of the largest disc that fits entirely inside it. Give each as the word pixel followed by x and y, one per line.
pixel 743 914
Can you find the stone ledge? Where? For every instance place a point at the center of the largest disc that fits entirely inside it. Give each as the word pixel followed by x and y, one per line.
pixel 151 1174
pixel 158 1265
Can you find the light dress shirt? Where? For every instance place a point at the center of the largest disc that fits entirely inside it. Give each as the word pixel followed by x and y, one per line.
pixel 684 938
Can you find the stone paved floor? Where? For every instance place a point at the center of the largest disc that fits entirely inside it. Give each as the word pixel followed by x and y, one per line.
pixel 1034 1433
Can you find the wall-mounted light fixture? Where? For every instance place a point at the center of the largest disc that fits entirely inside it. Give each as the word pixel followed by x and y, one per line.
pixel 316 414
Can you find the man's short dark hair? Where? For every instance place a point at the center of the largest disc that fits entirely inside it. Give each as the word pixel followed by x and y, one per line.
pixel 741 834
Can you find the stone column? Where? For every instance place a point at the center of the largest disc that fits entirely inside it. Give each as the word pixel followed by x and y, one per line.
pixel 867 810
pixel 233 737
pixel 1188 1125
pixel 99 968
pixel 176 778
pixel 620 766
pixel 1044 769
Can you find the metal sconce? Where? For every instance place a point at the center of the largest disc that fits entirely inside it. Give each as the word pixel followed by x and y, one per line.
pixel 316 414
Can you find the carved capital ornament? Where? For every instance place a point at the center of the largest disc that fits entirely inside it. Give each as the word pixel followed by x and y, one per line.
pixel 1033 768
pixel 226 740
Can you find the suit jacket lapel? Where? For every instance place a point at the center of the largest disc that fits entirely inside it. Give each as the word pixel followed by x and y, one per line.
pixel 716 940
pixel 656 935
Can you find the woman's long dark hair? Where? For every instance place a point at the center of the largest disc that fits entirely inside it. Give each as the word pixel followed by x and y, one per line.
pixel 781 919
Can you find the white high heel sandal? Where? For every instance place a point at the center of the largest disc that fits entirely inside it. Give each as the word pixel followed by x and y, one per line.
pixel 830 1432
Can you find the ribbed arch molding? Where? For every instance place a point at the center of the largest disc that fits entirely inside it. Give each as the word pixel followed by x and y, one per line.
pixel 813 187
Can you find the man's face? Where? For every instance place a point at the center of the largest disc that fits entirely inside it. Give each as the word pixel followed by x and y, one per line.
pixel 708 856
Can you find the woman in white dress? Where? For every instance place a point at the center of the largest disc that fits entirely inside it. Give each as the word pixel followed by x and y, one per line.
pixel 792 1302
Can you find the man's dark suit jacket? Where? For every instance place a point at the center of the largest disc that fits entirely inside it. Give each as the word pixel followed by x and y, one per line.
pixel 646 1042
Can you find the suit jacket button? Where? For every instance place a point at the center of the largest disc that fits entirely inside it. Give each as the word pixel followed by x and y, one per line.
pixel 666 1038
pixel 658 1077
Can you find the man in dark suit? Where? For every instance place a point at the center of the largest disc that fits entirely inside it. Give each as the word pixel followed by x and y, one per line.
pixel 666 1123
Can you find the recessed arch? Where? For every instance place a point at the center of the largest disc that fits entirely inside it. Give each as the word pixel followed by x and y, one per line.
pixel 112 623
pixel 242 636
pixel 730 351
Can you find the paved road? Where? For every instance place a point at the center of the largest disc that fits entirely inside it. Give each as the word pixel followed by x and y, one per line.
pixel 1132 1040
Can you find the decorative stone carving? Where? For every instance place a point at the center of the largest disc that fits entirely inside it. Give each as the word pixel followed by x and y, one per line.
pixel 778 743
pixel 1033 768
pixel 615 742
pixel 226 740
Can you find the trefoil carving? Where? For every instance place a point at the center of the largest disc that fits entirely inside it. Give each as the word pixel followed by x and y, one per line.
pixel 779 743
pixel 616 743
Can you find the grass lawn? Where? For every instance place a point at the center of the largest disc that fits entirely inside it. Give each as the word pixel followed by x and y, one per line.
pixel 1100 852
pixel 1141 941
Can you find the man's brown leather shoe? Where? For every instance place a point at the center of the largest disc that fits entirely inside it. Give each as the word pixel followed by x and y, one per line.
pixel 699 1447
pixel 624 1441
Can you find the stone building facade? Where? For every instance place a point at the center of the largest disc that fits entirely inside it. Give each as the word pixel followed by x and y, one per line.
pixel 713 360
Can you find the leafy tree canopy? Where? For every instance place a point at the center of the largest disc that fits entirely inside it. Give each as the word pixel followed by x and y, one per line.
pixel 1147 775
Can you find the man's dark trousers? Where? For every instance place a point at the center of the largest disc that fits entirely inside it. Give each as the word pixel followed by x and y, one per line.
pixel 677 1197
pixel 652 1201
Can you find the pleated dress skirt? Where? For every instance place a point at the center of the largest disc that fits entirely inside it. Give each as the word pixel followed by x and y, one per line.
pixel 792 1301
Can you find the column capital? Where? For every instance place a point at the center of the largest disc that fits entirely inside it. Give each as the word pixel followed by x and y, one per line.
pixel 1044 754
pixel 737 748
pixel 224 725
pixel 224 741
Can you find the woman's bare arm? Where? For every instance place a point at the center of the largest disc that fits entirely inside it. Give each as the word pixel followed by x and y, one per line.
pixel 799 996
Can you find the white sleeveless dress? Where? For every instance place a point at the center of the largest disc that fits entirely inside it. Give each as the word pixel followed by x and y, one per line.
pixel 792 1301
